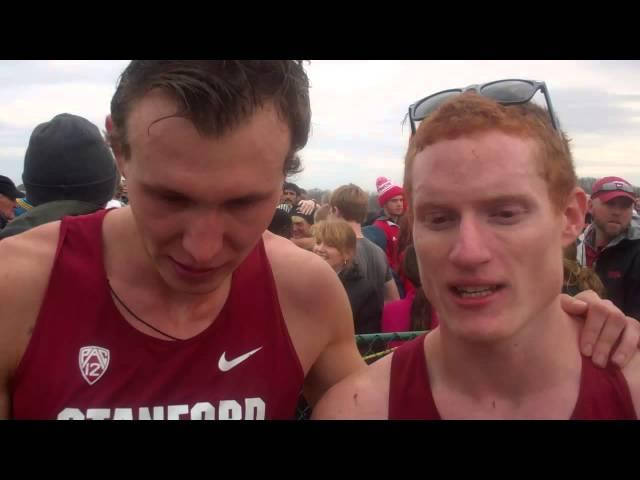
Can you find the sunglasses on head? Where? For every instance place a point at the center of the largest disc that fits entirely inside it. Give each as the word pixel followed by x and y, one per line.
pixel 613 186
pixel 505 92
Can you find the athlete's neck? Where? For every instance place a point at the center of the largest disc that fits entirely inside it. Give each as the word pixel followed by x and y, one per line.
pixel 137 282
pixel 543 353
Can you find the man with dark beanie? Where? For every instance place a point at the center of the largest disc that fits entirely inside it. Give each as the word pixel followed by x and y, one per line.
pixel 68 170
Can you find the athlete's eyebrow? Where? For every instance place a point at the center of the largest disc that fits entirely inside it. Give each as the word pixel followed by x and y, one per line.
pixel 166 191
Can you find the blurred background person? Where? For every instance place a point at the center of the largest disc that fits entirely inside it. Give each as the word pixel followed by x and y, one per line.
pixel 68 170
pixel 8 195
pixel 335 242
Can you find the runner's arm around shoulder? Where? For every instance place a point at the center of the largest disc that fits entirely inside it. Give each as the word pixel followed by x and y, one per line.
pixel 339 356
pixel 318 316
pixel 26 261
pixel 361 396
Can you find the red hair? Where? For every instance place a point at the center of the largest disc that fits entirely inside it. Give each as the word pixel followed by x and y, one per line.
pixel 470 113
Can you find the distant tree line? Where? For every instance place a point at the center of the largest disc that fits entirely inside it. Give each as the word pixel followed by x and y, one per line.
pixel 322 196
pixel 586 182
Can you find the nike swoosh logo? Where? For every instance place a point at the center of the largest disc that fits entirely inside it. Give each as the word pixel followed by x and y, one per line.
pixel 225 365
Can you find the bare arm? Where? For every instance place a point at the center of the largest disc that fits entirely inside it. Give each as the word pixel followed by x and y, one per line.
pixel 338 403
pixel 306 207
pixel 318 316
pixel 340 357
pixel 305 243
pixel 26 264
pixel 605 327
pixel 362 396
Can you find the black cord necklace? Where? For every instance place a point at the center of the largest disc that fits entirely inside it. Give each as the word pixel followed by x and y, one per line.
pixel 124 305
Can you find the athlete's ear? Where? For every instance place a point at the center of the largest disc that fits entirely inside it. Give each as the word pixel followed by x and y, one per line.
pixel 573 216
pixel 108 124
pixel 115 145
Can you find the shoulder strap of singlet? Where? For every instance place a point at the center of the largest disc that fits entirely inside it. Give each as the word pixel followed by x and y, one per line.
pixel 410 396
pixel 604 394
pixel 82 236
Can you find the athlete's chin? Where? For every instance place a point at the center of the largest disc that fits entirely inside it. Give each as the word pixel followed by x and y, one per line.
pixel 200 282
pixel 482 335
pixel 200 287
pixel 483 329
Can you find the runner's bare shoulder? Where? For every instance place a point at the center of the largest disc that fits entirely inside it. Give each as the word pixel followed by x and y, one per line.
pixel 298 272
pixel 314 303
pixel 27 260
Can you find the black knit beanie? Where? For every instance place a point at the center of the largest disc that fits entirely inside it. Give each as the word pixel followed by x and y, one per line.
pixel 67 159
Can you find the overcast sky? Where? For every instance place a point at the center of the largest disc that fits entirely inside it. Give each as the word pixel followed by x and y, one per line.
pixel 358 108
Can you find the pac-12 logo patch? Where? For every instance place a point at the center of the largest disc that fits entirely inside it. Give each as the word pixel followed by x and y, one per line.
pixel 93 363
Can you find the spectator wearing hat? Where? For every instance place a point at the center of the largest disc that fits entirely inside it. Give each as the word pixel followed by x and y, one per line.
pixel 611 244
pixel 8 195
pixel 335 242
pixel 68 170
pixel 349 203
pixel 391 199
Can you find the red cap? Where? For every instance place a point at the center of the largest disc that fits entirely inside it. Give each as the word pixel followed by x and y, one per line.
pixel 615 187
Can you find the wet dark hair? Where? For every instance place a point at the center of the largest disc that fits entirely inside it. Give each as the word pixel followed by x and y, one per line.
pixel 218 95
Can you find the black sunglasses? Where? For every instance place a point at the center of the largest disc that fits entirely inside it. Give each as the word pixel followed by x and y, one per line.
pixel 507 92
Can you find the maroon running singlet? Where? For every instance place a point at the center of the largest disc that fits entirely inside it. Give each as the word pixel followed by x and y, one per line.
pixel 85 361
pixel 604 393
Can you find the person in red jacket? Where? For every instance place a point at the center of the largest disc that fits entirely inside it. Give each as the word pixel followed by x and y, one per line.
pixel 391 199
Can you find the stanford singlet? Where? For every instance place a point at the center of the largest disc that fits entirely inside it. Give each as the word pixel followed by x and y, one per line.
pixel 85 361
pixel 604 393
